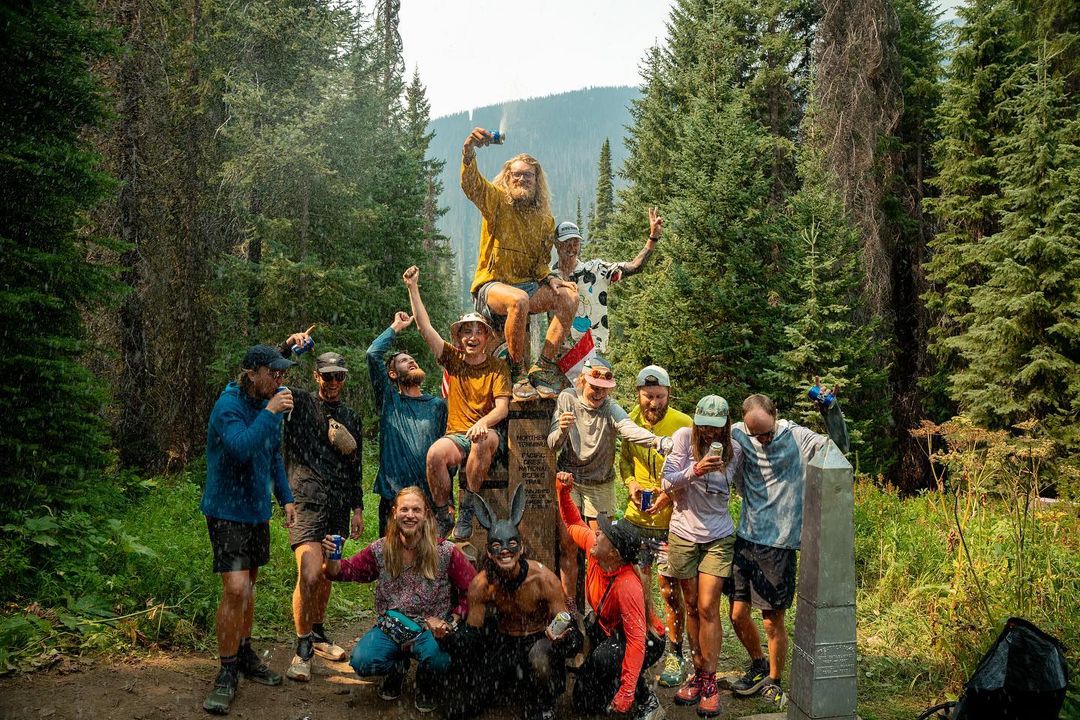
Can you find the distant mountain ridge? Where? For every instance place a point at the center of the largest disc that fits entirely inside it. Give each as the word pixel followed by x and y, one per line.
pixel 564 132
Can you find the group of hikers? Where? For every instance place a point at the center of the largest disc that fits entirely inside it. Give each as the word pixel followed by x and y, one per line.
pixel 506 625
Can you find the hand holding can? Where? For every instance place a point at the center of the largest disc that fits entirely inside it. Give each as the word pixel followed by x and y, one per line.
pixel 339 543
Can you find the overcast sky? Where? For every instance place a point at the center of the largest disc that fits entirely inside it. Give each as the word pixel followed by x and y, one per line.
pixel 473 53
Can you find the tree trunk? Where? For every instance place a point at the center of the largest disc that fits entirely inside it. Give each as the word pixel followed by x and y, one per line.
pixel 137 446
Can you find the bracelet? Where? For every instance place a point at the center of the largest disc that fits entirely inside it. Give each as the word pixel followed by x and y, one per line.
pixel 654 238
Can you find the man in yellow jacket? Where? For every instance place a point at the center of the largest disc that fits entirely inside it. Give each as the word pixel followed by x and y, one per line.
pixel 640 469
pixel 512 279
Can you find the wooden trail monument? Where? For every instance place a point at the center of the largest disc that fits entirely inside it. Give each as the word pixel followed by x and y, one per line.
pixel 529 462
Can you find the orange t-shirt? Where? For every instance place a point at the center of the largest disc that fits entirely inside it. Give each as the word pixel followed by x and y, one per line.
pixel 472 388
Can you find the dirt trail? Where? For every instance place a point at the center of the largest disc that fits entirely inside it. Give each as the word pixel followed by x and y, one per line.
pixel 172 686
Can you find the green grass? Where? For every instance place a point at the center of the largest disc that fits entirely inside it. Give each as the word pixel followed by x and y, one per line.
pixel 925 616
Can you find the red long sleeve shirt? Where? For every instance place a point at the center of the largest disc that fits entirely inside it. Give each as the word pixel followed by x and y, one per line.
pixel 624 606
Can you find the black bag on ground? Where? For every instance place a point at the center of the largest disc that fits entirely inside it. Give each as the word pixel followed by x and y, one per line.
pixel 1023 676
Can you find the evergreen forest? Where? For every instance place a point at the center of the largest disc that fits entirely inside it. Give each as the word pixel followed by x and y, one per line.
pixel 855 190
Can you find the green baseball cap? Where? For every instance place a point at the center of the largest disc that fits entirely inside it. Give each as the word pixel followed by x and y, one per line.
pixel 711 410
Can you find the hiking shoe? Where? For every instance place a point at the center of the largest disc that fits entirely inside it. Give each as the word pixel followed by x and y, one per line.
pixel 253 668
pixel 650 709
pixel 709 702
pixel 546 378
pixel 390 688
pixel 463 529
pixel 772 692
pixel 424 697
pixel 752 682
pixel 299 669
pixel 676 669
pixel 523 390
pixel 224 691
pixel 444 521
pixel 690 692
pixel 328 649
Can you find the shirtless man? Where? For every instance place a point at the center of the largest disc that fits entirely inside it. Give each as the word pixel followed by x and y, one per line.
pixel 506 642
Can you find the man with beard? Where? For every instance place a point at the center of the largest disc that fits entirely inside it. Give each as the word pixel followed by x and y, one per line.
pixel 593 278
pixel 322 460
pixel 507 643
pixel 641 471
pixel 478 399
pixel 243 467
pixel 512 280
pixel 410 421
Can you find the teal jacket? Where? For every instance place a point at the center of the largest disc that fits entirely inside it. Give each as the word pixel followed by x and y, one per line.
pixel 243 459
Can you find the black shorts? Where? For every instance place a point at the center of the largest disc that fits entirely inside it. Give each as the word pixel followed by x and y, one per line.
pixel 314 522
pixel 764 576
pixel 237 545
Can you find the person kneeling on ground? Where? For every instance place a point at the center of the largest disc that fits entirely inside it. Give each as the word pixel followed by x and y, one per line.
pixel 627 639
pixel 421 591
pixel 507 640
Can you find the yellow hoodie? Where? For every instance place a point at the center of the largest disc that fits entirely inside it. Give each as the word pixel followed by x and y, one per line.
pixel 515 246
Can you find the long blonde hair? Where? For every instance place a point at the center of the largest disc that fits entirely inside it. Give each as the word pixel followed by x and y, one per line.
pixel 543 195
pixel 426 558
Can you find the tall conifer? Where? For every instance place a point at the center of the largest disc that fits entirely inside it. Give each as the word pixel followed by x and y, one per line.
pixel 52 449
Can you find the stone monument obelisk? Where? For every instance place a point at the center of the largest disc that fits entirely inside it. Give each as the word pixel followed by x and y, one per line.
pixel 823 672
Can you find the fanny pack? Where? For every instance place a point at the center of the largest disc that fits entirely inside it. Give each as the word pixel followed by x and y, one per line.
pixel 399 627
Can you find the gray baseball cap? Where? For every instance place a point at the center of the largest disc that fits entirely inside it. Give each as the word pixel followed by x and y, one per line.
pixel 567 231
pixel 653 375
pixel 330 362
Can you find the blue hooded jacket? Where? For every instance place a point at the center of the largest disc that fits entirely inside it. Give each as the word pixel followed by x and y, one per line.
pixel 243 459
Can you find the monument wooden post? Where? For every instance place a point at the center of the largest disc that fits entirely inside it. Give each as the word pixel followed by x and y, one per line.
pixel 528 462
pixel 823 672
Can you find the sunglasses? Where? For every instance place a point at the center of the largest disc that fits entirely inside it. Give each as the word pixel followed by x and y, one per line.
pixel 599 373
pixel 276 374
pixel 764 437
pixel 333 376
pixel 527 175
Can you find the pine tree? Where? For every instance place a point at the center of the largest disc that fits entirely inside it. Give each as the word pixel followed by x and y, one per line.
pixel 827 334
pixel 1021 348
pixel 604 204
pixel 968 207
pixel 53 448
